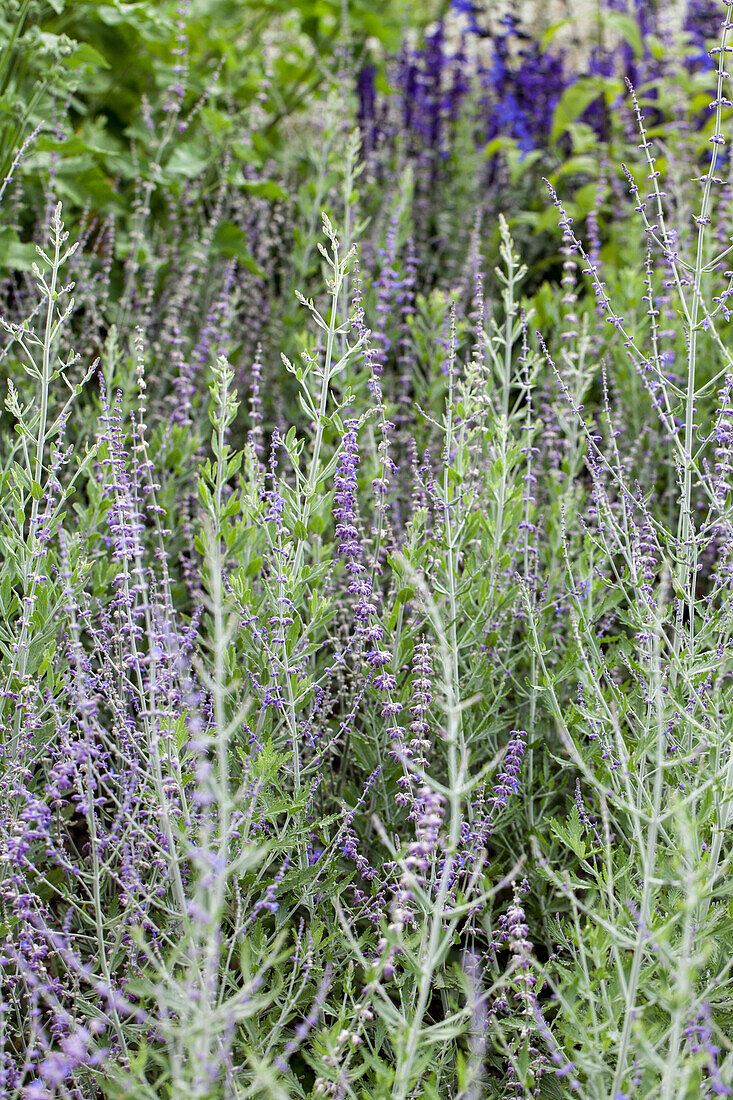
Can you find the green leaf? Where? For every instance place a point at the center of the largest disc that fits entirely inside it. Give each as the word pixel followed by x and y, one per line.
pixel 114 14
pixel 586 164
pixel 13 253
pixel 85 56
pixel 574 100
pixel 628 28
pixel 254 566
pixel 291 437
pixel 498 145
pixel 230 241
pixel 571 833
pixel 234 463
pixel 84 185
pixel 265 189
pixel 550 33
pixel 186 163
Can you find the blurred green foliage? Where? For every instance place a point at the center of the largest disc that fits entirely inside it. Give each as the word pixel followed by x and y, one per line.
pixel 135 98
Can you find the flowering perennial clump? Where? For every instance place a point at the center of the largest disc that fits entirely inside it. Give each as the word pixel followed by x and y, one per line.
pixel 366 576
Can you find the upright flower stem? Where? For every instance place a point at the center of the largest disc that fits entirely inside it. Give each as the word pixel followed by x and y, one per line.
pixel 434 945
pixel 648 870
pixel 687 577
pixel 450 541
pixel 314 470
pixel 51 330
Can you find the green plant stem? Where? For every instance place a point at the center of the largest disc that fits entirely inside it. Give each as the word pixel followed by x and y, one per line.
pixel 648 870
pixel 45 383
pixel 687 570
pixel 434 948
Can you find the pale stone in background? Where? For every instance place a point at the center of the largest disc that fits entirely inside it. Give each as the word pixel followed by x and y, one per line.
pixel 582 16
pixel 540 14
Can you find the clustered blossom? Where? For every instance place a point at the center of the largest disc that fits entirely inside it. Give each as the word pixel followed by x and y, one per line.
pixel 367 630
pixel 486 807
pixel 348 539
pixel 724 442
pixel 389 295
pixel 176 90
pixel 123 517
pixel 254 436
pixel 420 855
pixel 514 931
pixel 698 1033
pixel 508 779
pixel 422 695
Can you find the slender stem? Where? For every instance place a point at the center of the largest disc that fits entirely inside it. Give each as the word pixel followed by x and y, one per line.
pixel 648 867
pixel 45 380
pixel 687 569
pixel 8 51
pixel 450 540
pixel 322 408
pixel 435 948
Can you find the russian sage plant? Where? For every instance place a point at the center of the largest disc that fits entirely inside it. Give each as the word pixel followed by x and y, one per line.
pixel 643 959
pixel 365 707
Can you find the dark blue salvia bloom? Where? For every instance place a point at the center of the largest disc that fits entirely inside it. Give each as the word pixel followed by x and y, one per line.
pixel 366 112
pixel 432 86
pixel 418 77
pixel 430 121
pixel 523 87
pixel 702 23
pixel 406 79
pixel 389 294
pixel 523 83
pixel 467 7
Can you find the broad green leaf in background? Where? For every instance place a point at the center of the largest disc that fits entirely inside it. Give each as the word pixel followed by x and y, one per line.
pixel 627 27
pixel 577 98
